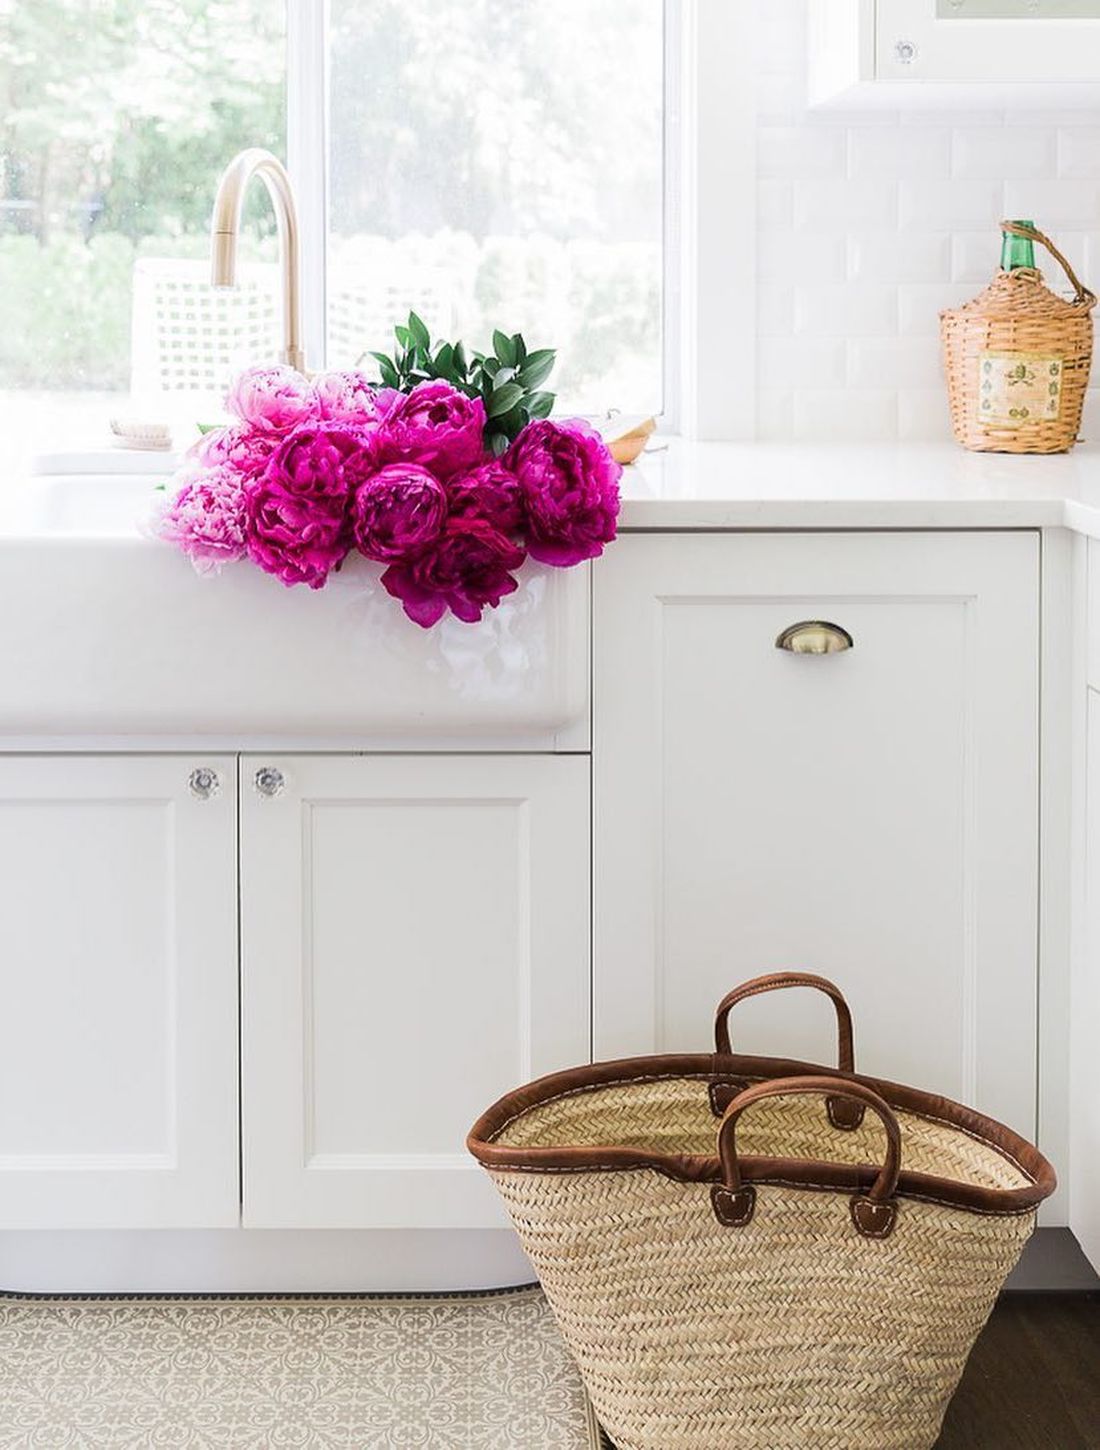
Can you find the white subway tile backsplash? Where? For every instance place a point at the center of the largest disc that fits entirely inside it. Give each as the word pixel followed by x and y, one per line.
pixel 1054 204
pixel 883 362
pixel 888 154
pixel 805 362
pixel 838 206
pixel 992 153
pixel 849 415
pixel 848 309
pixel 871 222
pixel 1079 153
pixel 800 151
pixel 899 256
pixel 919 306
pixel 788 253
pixel 975 256
pixel 938 205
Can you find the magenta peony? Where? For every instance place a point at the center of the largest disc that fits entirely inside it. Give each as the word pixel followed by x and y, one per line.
pixel 297 510
pixel 397 512
pixel 345 397
pixel 468 568
pixel 238 447
pixel 272 399
pixel 570 488
pixel 435 425
pixel 206 518
pixel 488 491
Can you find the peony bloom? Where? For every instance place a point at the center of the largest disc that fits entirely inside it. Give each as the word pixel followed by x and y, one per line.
pixel 272 399
pixel 467 568
pixel 488 491
pixel 346 397
pixel 206 519
pixel 435 425
pixel 570 488
pixel 239 447
pixel 397 512
pixel 297 510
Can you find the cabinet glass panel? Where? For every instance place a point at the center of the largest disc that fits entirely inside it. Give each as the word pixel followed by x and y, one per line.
pixel 1018 9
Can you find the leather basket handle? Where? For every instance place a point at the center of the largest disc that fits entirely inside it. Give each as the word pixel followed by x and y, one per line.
pixel 874 1213
pixel 844 1112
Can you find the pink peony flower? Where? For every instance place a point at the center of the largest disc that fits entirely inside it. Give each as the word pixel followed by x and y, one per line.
pixel 488 491
pixel 272 399
pixel 206 518
pixel 346 397
pixel 435 425
pixel 570 488
pixel 238 446
pixel 297 510
pixel 397 512
pixel 466 569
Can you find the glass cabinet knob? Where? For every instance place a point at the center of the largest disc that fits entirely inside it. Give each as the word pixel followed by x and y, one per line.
pixel 269 780
pixel 204 783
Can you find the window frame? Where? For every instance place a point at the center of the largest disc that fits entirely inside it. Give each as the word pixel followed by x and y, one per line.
pixel 709 220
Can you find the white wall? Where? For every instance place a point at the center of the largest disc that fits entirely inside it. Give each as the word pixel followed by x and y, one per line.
pixel 869 223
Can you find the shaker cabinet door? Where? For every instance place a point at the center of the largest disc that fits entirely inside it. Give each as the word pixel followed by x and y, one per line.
pixel 869 814
pixel 118 978
pixel 415 935
pixel 1084 1101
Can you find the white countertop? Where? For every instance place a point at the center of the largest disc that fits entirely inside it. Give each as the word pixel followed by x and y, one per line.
pixel 691 485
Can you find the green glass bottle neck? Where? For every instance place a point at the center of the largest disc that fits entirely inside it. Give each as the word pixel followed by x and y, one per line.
pixel 1017 251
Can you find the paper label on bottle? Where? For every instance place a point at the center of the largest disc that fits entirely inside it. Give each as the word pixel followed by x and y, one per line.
pixel 1015 388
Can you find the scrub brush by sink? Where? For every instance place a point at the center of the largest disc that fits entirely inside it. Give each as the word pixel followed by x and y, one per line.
pixel 134 433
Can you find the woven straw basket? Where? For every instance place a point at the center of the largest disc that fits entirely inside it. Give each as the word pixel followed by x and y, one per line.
pixel 736 1267
pixel 1017 360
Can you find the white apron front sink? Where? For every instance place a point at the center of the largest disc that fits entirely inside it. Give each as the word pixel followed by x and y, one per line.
pixel 106 633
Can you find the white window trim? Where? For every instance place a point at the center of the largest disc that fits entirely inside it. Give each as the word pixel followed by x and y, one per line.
pixel 709 323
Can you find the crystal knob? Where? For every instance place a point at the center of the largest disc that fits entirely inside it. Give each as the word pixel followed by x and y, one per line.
pixel 204 783
pixel 906 51
pixel 269 780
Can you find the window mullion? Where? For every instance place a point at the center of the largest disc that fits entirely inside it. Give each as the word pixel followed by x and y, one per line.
pixel 307 158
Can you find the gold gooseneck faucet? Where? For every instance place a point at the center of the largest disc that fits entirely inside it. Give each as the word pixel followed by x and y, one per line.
pixel 225 229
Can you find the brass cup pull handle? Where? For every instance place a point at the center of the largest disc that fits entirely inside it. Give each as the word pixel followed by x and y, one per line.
pixel 814 637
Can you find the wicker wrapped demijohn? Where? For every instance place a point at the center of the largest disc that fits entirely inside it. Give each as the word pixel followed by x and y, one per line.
pixel 1017 360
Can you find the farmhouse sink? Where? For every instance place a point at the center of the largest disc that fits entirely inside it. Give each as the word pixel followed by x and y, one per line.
pixel 105 632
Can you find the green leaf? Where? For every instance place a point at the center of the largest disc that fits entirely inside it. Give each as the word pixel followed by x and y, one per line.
pixel 419 332
pixel 502 376
pixel 498 443
pixel 404 337
pixel 504 347
pixel 540 405
pixel 445 362
pixel 460 359
pixel 205 428
pixel 538 367
pixel 521 348
pixel 504 398
pixel 490 367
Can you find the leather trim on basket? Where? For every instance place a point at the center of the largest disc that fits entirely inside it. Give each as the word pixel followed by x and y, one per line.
pixel 793 1172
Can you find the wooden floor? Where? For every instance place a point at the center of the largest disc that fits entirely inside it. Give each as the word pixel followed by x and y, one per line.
pixel 1033 1380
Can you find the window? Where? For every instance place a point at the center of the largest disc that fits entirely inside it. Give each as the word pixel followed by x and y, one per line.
pixel 488 164
pixel 500 165
pixel 117 118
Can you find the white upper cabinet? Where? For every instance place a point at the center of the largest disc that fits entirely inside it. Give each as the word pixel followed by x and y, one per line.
pixel 118 1075
pixel 869 814
pixel 897 53
pixel 415 942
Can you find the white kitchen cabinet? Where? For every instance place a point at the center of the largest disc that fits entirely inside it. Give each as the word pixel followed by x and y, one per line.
pixel 1084 1109
pixel 870 814
pixel 118 1075
pixel 415 941
pixel 897 53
